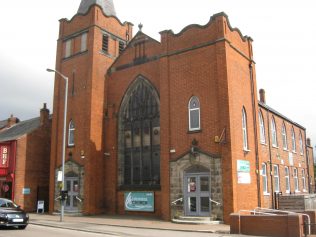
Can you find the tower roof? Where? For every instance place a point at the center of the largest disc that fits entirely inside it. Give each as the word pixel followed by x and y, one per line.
pixel 106 5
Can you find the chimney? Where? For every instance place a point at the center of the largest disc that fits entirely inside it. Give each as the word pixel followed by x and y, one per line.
pixel 12 120
pixel 262 94
pixel 44 115
pixel 308 142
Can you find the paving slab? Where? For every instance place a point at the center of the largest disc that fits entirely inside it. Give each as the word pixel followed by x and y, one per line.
pixel 92 223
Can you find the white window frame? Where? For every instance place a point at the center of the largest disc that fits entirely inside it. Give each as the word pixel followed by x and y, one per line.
pixel 301 144
pixel 71 133
pixel 244 130
pixel 84 45
pixel 287 179
pixel 264 178
pixel 303 180
pixel 293 140
pixel 284 137
pixel 274 133
pixel 198 108
pixel 262 129
pixel 276 178
pixel 295 177
pixel 68 45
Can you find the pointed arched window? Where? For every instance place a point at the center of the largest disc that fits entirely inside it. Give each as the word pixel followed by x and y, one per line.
pixel 262 130
pixel 244 129
pixel 301 144
pixel 194 114
pixel 284 137
pixel 139 136
pixel 293 141
pixel 274 133
pixel 71 133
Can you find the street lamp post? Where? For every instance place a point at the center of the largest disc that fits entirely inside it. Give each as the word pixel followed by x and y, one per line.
pixel 64 140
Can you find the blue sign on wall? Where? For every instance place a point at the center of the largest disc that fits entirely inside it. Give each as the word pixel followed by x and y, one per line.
pixel 139 201
pixel 26 191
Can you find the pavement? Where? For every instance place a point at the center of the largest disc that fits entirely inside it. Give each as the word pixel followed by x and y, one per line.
pixel 94 224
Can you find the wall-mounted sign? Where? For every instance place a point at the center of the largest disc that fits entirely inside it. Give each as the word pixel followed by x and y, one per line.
pixel 4 156
pixel 139 201
pixel 243 172
pixel 26 191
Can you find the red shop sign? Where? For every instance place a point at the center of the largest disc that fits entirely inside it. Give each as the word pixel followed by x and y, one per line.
pixel 4 156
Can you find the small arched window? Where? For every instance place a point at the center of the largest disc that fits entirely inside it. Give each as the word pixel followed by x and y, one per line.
pixel 284 138
pixel 244 129
pixel 262 130
pixel 194 114
pixel 273 133
pixel 293 141
pixel 301 144
pixel 71 133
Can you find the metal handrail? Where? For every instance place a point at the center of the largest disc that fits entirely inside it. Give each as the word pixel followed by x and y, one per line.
pixel 79 199
pixel 59 197
pixel 177 200
pixel 217 203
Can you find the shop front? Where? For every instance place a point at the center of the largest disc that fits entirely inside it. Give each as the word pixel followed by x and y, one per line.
pixel 6 171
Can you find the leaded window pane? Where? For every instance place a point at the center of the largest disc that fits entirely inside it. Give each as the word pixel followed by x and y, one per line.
pixel 140 125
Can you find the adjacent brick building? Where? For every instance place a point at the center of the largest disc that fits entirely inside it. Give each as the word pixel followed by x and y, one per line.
pixel 173 124
pixel 24 160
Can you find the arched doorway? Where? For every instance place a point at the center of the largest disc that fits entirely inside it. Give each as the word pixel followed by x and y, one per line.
pixel 197 191
pixel 72 186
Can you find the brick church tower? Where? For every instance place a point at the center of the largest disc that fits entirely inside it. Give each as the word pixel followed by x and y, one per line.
pixel 87 46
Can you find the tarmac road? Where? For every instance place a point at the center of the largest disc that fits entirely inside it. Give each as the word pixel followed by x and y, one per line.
pixel 42 231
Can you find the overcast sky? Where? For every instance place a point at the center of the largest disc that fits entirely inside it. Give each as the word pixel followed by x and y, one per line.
pixel 284 34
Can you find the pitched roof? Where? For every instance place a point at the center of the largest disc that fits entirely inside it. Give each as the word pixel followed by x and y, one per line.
pixel 19 129
pixel 263 105
pixel 3 123
pixel 106 5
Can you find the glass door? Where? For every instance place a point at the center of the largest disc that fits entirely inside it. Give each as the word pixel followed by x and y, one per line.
pixel 72 186
pixel 197 195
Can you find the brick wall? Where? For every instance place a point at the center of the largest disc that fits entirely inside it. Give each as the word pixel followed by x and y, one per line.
pixel 290 225
pixel 280 156
pixel 32 164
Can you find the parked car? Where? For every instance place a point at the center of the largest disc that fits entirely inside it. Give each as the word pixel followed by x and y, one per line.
pixel 12 215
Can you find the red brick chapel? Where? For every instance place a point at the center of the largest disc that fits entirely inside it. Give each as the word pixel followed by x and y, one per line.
pixel 167 128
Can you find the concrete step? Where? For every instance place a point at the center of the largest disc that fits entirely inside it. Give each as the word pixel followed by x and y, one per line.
pixel 198 220
pixel 68 214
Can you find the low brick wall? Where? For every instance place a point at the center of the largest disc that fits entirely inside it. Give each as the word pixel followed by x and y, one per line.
pixel 290 225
